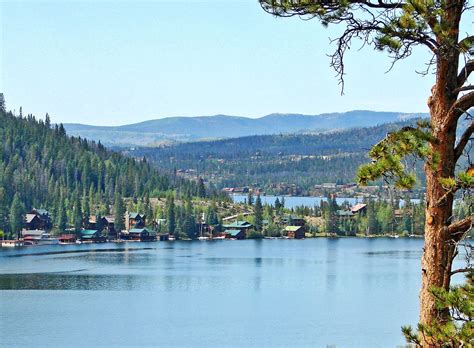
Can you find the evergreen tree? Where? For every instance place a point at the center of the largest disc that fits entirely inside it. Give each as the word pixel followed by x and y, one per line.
pixel 398 28
pixel 3 107
pixel 201 188
pixel 170 215
pixel 189 224
pixel 250 198
pixel 258 211
pixel 77 217
pixel 3 210
pixel 86 211
pixel 16 216
pixel 119 213
pixel 61 221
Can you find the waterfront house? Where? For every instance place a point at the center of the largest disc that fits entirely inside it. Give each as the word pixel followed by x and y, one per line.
pixel 96 222
pixel 67 238
pixel 163 237
pixel 293 220
pixel 234 234
pixel 38 219
pixel 91 236
pixel 141 234
pixel 240 225
pixel 134 220
pixel 359 209
pixel 295 232
pixel 37 237
pixel 345 214
pixel 109 226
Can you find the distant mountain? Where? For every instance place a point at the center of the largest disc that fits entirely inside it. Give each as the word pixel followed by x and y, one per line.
pixel 172 129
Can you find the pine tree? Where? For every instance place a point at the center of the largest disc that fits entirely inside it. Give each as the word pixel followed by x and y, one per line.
pixel 250 198
pixel 189 225
pixel 16 216
pixel 398 27
pixel 119 212
pixel 77 217
pixel 3 107
pixel 170 215
pixel 258 211
pixel 201 188
pixel 3 210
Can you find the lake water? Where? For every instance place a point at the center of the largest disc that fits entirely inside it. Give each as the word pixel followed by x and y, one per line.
pixel 295 201
pixel 291 293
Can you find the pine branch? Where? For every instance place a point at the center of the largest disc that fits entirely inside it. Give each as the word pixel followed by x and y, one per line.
pixel 465 72
pixel 462 105
pixel 458 150
pixel 459 228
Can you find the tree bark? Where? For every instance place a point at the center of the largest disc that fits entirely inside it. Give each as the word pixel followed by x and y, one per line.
pixel 439 246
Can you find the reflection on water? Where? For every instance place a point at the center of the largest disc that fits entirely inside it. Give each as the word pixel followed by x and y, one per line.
pixel 248 293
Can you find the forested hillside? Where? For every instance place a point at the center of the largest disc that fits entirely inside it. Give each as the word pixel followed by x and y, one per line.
pixel 277 163
pixel 42 167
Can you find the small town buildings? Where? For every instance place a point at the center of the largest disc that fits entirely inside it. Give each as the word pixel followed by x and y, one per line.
pixel 38 219
pixel 295 232
pixel 234 234
pixel 141 234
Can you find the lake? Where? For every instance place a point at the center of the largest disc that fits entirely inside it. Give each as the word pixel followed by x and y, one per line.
pixel 296 201
pixel 347 292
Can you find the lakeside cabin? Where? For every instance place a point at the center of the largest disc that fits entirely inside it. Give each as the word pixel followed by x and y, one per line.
pixel 295 232
pixel 234 234
pixel 141 235
pixel 38 219
pixel 292 220
pixel 134 220
pixel 240 225
pixel 91 236
pixel 359 208
pixel 68 238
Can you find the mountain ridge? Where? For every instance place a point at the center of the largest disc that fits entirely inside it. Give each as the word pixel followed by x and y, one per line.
pixel 180 128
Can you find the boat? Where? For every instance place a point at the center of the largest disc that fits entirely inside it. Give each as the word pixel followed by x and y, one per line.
pixel 38 237
pixel 11 243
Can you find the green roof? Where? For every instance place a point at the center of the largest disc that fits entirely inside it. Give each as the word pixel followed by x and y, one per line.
pixel 239 224
pixel 233 233
pixel 142 230
pixel 292 228
pixel 134 215
pixel 88 232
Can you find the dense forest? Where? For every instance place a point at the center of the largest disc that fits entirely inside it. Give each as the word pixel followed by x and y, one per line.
pixel 273 162
pixel 42 167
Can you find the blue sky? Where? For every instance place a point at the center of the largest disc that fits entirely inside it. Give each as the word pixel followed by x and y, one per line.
pixel 109 63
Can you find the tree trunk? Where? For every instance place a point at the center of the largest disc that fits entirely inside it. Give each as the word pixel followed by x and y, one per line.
pixel 439 247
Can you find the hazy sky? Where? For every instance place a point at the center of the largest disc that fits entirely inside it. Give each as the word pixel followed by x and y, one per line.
pixel 103 62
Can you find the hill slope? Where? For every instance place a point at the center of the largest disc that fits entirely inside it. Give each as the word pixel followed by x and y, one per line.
pixel 273 162
pixel 222 126
pixel 42 167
